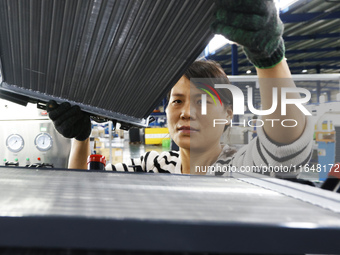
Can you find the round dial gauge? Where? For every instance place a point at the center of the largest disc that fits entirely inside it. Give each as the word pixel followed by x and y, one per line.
pixel 15 143
pixel 43 142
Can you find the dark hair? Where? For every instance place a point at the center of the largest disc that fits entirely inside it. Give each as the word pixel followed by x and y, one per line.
pixel 205 69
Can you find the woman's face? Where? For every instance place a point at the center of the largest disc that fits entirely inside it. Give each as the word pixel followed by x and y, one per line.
pixel 187 126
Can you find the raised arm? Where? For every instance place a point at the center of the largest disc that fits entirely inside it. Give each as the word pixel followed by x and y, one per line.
pixel 255 25
pixel 279 77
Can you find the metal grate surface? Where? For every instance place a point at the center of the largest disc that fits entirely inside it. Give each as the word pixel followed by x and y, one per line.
pixel 160 212
pixel 145 196
pixel 116 59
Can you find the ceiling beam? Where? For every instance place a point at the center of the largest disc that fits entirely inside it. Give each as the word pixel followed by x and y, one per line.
pixel 291 67
pixel 311 37
pixel 228 57
pixel 337 59
pixel 302 17
pixel 314 67
pixel 312 50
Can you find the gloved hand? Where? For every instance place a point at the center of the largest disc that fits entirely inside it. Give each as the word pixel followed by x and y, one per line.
pixel 254 24
pixel 69 121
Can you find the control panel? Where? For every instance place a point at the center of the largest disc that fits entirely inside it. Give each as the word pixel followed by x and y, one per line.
pixel 28 138
pixel 32 143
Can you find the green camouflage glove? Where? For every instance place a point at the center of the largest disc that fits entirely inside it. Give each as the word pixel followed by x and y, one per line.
pixel 254 24
pixel 69 121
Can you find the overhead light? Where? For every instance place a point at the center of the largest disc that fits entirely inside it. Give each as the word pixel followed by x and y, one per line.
pixel 217 42
pixel 283 4
pixel 314 90
pixel 248 72
pixel 304 70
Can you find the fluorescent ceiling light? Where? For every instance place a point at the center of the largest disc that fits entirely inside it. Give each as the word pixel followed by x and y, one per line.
pixel 248 72
pixel 217 42
pixel 304 70
pixel 283 4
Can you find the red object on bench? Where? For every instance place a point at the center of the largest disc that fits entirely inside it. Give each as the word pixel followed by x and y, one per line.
pixel 335 171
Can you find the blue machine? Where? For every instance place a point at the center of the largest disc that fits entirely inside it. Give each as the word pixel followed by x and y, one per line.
pixel 326 157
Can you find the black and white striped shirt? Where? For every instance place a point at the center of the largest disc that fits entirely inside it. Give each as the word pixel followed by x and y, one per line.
pixel 260 152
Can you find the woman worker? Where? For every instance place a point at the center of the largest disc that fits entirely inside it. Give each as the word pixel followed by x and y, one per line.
pixel 255 25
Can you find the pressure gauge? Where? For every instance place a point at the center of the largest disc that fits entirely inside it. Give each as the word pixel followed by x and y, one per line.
pixel 15 143
pixel 43 142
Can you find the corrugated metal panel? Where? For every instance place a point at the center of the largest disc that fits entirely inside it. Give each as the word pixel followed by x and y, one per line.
pixel 116 59
pixel 160 212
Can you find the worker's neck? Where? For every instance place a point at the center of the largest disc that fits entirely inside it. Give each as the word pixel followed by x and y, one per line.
pixel 193 160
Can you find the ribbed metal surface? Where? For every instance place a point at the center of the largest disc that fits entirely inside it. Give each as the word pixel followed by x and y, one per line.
pixel 116 59
pixel 144 196
pixel 161 212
